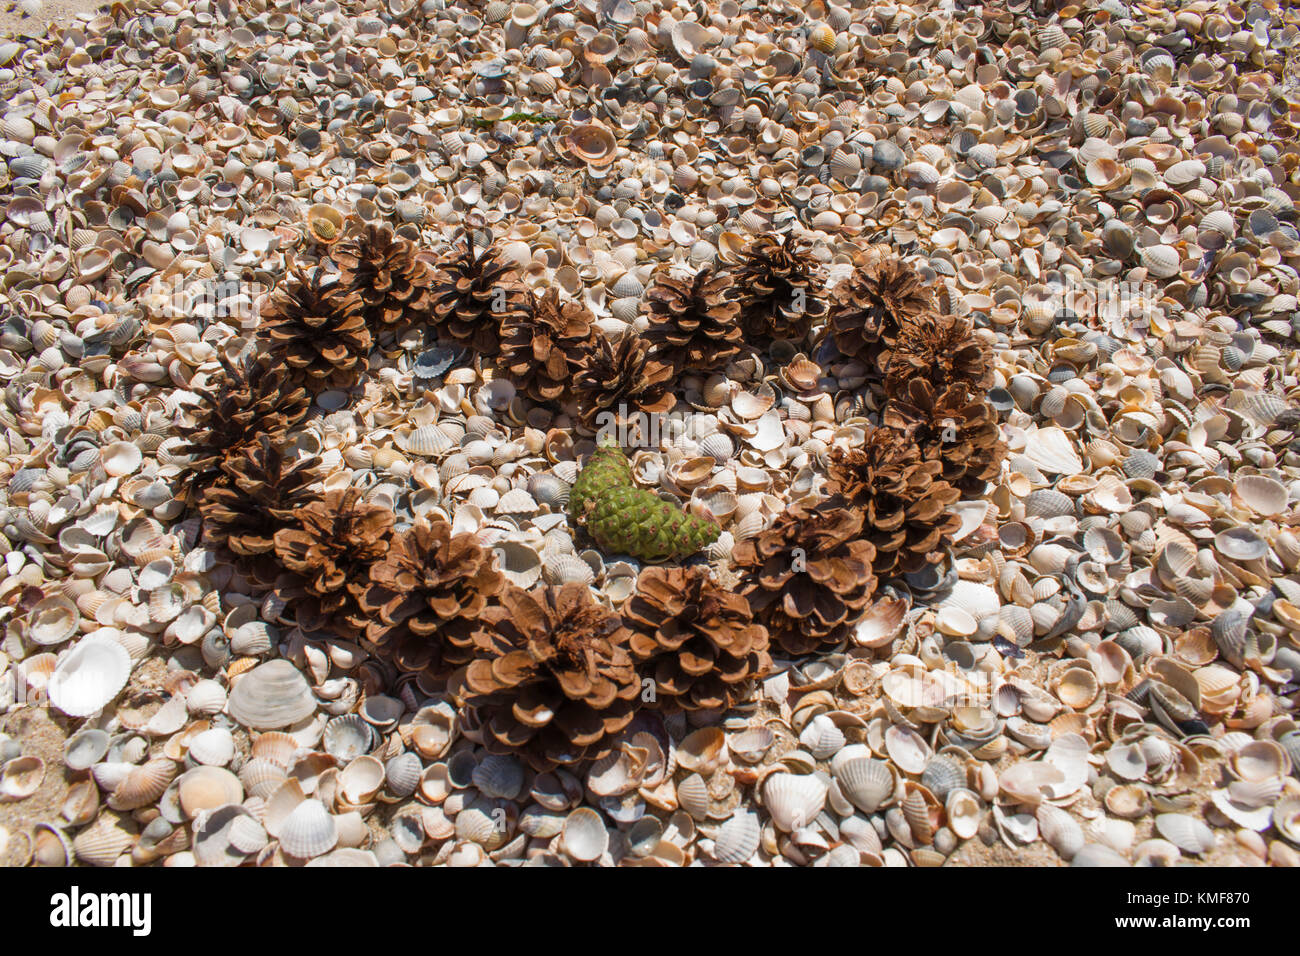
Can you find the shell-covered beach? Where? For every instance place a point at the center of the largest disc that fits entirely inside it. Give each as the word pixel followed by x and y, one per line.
pixel 649 434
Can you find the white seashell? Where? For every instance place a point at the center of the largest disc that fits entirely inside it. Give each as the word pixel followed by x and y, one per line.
pixel 794 800
pixel 822 738
pixel 907 749
pixel 214 747
pixel 868 783
pixel 205 698
pixel 1051 450
pixel 360 780
pixel 90 676
pixel 271 695
pixel 738 839
pixel 585 837
pixel 308 831
pixel 964 813
pixel 1188 833
pixel 53 620
pixel 121 458
pixel 1060 830
pixel 22 777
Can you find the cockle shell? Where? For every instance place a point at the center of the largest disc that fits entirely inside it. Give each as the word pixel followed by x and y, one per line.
pixel 794 800
pixel 90 676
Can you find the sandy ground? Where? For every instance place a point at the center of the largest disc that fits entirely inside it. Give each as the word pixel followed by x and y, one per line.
pixel 14 23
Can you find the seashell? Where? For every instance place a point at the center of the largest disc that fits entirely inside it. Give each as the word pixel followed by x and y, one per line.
pixel 85 748
pixel 90 676
pixel 144 785
pixel 868 783
pixel 402 774
pixel 206 788
pixel 737 839
pixel 21 777
pixel 907 749
pixel 261 777
pixel 120 458
pixel 1060 830
pixel 104 841
pixel 347 737
pixel 593 144
pixel 794 800
pixel 564 568
pixel 271 695
pixel 214 747
pixel 1188 833
pixel 205 698
pixel 309 831
pixel 499 776
pixel 360 780
pixel 881 624
pixel 584 836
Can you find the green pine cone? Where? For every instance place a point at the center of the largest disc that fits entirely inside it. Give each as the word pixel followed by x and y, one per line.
pixel 623 518
pixel 607 468
pixel 645 526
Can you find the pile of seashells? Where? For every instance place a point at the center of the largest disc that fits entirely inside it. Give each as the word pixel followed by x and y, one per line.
pixel 1094 649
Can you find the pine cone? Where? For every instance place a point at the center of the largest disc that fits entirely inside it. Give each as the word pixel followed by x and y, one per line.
pixel 776 290
pixel 868 308
pixel 625 519
pixel 693 321
pixel 554 681
pixel 247 401
pixel 318 331
pixel 426 595
pixel 541 347
pixel 621 380
pixel 808 577
pixel 902 496
pixel 606 469
pixel 699 640
pixel 475 294
pixel 329 547
pixel 943 350
pixel 256 496
pixel 956 428
pixel 385 272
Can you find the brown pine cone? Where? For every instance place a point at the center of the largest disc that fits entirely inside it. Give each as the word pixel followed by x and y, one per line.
pixel 693 320
pixel 318 331
pixel 426 595
pixel 902 497
pixel 868 308
pixel 253 399
pixel 954 427
pixel 541 348
pixel 256 496
pixel 475 293
pixel 809 577
pixel 696 639
pixel 391 280
pixel 554 681
pixel 329 547
pixel 943 350
pixel 622 379
pixel 776 290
